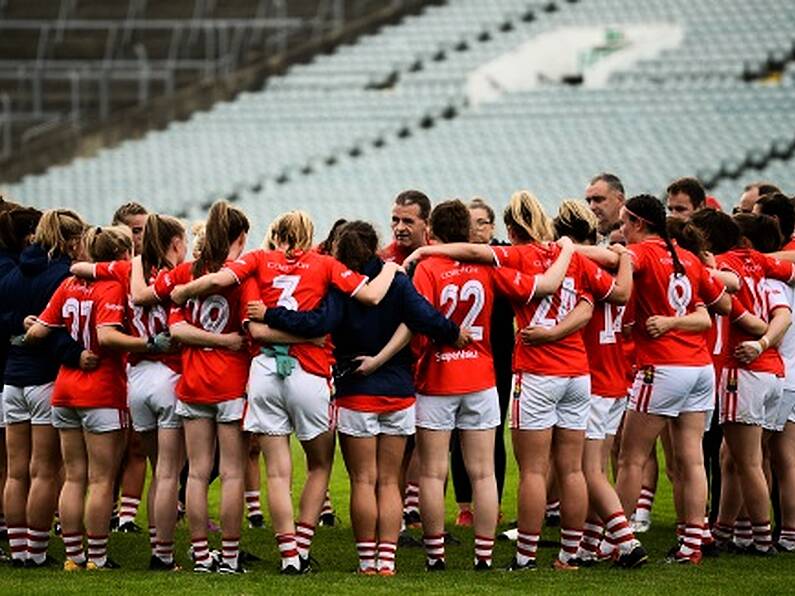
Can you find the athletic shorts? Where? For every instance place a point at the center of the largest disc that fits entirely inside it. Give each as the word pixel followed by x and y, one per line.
pixel 540 402
pixel 605 416
pixel 785 408
pixel 479 410
pixel 93 420
pixel 28 404
pixel 748 397
pixel 299 403
pixel 231 410
pixel 371 424
pixel 673 390
pixel 151 397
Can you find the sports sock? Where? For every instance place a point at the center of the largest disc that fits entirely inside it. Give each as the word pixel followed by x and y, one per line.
pixel 303 538
pixel 366 549
pixel 526 546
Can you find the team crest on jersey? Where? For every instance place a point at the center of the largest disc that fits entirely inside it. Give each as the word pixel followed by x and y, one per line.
pixel 648 375
pixel 731 382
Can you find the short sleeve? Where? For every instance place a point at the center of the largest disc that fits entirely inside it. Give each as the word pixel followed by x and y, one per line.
pixel 109 306
pixel 345 280
pixel 423 281
pixel 775 297
pixel 710 289
pixel 777 269
pixel 638 256
pixel 53 313
pixel 738 311
pixel 507 256
pixel 513 284
pixel 167 279
pixel 113 271
pixel 245 266
pixel 595 280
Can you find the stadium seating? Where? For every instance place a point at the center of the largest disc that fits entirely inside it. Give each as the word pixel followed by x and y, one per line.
pixel 341 135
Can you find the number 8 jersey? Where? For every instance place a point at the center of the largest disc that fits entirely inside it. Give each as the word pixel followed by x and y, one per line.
pixel 658 291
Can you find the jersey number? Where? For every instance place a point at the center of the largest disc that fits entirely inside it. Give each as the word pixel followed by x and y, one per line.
pixel 156 322
pixel 567 296
pixel 211 314
pixel 612 325
pixel 79 311
pixel 680 293
pixel 287 284
pixel 471 290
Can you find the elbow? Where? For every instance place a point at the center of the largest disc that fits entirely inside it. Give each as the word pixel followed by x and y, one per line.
pixel 619 295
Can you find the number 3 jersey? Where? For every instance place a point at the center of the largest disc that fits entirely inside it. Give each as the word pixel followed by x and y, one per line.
pixel 298 283
pixel 209 375
pixel 584 281
pixel 463 293
pixel 143 321
pixel 81 307
pixel 658 291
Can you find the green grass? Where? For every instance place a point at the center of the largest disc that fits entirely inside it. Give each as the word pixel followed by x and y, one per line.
pixel 334 550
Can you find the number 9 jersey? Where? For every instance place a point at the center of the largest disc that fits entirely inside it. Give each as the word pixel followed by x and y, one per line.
pixel 658 291
pixel 209 375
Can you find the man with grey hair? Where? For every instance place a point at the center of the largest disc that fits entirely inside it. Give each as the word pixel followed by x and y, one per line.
pixel 605 197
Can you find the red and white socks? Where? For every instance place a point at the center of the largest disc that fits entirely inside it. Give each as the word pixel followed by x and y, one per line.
pixel 643 506
pixel 153 539
pixel 367 551
pixel 620 532
pixel 763 537
pixel 230 551
pixel 18 543
pixel 38 541
pixel 484 550
pixel 328 508
pixel 722 533
pixel 743 533
pixel 288 550
pixel 253 505
pixel 552 509
pixel 591 538
pixel 386 558
pixel 201 554
pixel 165 551
pixel 303 538
pixel 569 544
pixel 526 547
pixel 98 550
pixel 411 502
pixel 73 547
pixel 690 547
pixel 128 509
pixel 434 548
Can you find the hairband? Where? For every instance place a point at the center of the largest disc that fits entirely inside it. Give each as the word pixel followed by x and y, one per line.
pixel 636 216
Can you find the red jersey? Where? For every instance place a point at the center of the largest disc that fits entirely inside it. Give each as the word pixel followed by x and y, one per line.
pixel 144 321
pixel 82 306
pixel 298 283
pixel 790 245
pixel 658 291
pixel 209 375
pixel 394 253
pixel 464 293
pixel 584 281
pixel 752 268
pixel 604 346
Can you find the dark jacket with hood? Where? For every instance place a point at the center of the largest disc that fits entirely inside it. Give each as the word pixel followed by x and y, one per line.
pixel 24 291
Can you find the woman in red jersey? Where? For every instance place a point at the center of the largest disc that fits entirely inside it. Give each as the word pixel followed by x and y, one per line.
pixel 676 381
pixel 289 387
pixel 212 389
pixel 152 378
pixel 551 382
pixel 89 408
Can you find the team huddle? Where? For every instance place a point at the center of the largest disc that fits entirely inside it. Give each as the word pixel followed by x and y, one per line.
pixel 592 335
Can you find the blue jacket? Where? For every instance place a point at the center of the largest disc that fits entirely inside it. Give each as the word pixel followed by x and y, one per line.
pixel 24 291
pixel 359 330
pixel 8 262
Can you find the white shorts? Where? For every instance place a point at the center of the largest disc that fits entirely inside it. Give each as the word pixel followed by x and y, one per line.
pixel 748 397
pixel 28 404
pixel 231 410
pixel 605 416
pixel 540 402
pixel 299 403
pixel 93 420
pixel 785 409
pixel 672 390
pixel 478 410
pixel 371 424
pixel 151 397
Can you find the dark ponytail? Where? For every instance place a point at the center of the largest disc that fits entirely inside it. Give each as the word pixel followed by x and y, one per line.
pixel 16 225
pixel 224 225
pixel 650 210
pixel 159 231
pixel 356 244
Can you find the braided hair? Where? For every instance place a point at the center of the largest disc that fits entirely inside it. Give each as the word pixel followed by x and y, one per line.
pixel 650 210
